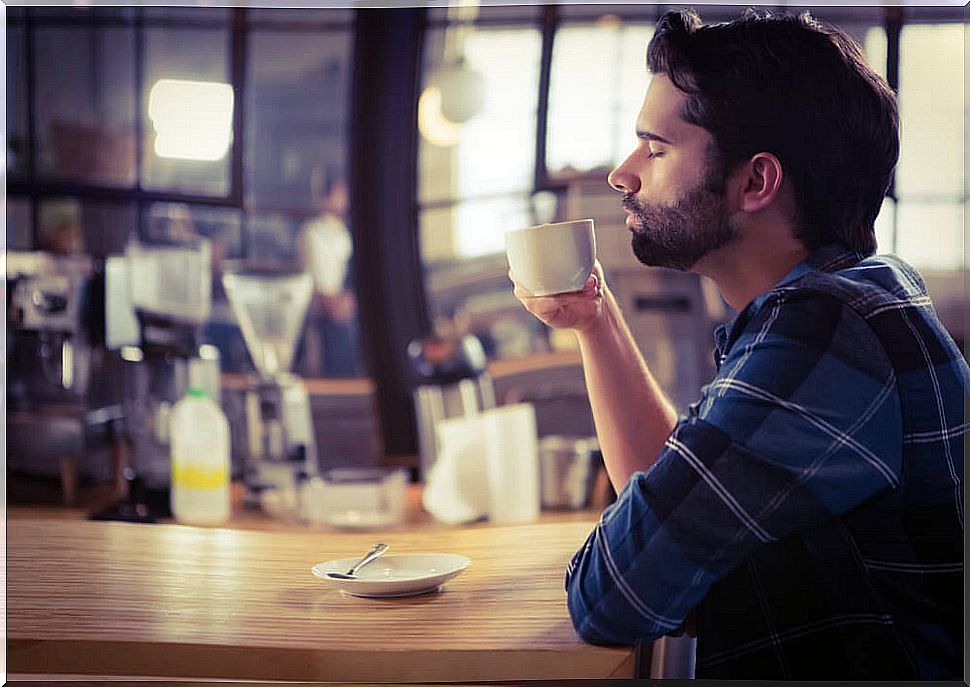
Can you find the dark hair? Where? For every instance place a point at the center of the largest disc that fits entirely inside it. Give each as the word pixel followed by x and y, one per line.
pixel 789 86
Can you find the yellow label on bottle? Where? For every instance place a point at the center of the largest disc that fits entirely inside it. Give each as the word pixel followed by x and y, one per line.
pixel 195 477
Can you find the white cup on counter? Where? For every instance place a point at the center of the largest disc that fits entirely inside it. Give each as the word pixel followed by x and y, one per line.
pixel 552 258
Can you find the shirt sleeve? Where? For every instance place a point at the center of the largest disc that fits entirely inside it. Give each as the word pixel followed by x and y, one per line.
pixel 801 424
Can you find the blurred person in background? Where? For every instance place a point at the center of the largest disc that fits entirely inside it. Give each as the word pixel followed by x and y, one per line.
pixel 326 252
pixel 61 232
pixel 805 519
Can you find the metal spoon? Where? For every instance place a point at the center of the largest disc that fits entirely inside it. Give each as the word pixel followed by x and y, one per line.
pixel 352 573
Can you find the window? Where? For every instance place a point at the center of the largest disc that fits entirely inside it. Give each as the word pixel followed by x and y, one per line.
pixel 478 124
pixel 99 74
pixel 85 103
pixel 16 101
pixel 489 163
pixel 297 103
pixel 930 181
pixel 596 89
pixel 71 225
pixel 187 104
pixel 297 202
pixel 19 225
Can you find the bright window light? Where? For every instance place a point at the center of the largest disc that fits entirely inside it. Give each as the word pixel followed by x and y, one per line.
pixel 192 119
pixel 433 125
pixel 597 85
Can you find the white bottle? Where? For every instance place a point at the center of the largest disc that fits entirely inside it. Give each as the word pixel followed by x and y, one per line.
pixel 200 493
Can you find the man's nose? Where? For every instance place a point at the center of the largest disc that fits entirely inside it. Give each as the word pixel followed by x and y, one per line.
pixel 622 180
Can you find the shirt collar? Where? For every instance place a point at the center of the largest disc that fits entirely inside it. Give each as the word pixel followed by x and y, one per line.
pixel 828 258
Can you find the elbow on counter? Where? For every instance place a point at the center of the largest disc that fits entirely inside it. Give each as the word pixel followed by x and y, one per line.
pixel 596 624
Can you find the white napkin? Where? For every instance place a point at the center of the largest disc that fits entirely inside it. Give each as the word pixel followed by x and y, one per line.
pixel 456 489
pixel 487 465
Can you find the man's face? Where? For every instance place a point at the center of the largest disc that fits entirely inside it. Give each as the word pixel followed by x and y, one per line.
pixel 673 189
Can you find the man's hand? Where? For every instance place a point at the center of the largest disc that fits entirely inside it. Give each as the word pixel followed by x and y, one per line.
pixel 577 310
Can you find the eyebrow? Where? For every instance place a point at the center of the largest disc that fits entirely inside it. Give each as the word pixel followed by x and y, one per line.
pixel 650 136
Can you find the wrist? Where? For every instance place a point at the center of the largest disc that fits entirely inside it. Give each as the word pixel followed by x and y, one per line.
pixel 603 324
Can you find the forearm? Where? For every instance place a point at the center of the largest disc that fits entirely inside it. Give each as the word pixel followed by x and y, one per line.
pixel 633 417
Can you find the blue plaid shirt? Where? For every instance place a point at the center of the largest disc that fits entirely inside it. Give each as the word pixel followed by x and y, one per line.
pixel 809 508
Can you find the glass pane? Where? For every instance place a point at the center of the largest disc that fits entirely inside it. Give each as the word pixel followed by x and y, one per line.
pixel 86 104
pixel 187 107
pixel 472 228
pixel 931 235
pixel 107 226
pixel 221 226
pixel 876 47
pixel 330 343
pixel 272 238
pixel 81 13
pixel 69 226
pixel 492 13
pixel 597 85
pixel 296 123
pixel 19 231
pixel 473 295
pixel 189 14
pixel 932 109
pixel 886 227
pixel 609 14
pixel 480 153
pixel 493 151
pixel 16 101
pixel 301 16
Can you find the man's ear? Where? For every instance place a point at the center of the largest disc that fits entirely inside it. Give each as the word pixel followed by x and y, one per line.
pixel 760 180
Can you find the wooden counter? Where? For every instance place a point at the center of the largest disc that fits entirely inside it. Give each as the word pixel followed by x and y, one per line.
pixel 116 599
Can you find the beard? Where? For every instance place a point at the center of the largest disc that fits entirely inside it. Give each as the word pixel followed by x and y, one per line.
pixel 678 235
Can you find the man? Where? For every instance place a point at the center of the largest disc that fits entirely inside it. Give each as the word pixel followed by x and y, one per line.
pixel 806 516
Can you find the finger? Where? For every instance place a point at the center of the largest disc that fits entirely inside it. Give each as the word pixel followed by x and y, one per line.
pixel 522 294
pixel 593 286
pixel 519 290
pixel 562 299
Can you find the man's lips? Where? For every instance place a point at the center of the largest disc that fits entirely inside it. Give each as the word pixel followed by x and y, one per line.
pixel 629 207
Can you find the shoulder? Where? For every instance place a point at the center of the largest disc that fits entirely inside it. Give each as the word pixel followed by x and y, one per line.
pixel 821 304
pixel 868 287
pixel 821 321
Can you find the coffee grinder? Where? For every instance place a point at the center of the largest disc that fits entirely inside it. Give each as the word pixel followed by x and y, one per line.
pixel 270 307
pixel 158 299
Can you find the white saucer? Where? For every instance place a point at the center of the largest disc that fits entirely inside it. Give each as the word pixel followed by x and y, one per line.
pixel 395 575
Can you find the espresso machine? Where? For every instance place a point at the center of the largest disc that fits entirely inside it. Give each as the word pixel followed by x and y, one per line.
pixel 270 306
pixel 158 298
pixel 49 333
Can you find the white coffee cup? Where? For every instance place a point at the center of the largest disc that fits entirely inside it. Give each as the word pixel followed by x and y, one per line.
pixel 552 258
